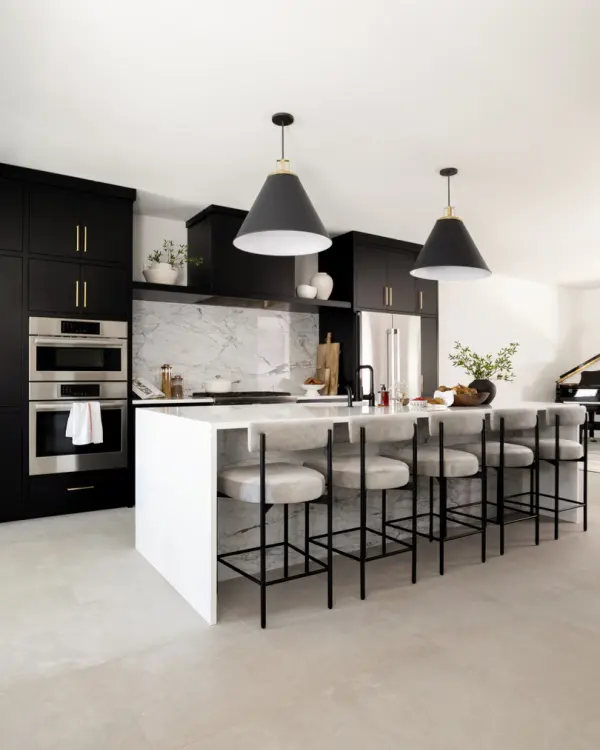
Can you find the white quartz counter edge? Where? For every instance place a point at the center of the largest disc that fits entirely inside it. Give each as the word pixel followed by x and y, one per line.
pixel 241 417
pixel 153 402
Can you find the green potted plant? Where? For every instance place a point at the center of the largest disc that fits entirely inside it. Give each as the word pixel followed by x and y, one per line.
pixel 163 266
pixel 482 368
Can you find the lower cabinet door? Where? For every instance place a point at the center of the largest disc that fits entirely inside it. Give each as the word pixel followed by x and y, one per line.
pixel 106 292
pixel 77 492
pixel 11 464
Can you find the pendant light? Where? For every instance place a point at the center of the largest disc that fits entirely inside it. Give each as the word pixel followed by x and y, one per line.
pixel 449 254
pixel 282 220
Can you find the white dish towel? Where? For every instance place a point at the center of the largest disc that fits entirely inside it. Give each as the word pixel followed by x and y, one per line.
pixel 84 425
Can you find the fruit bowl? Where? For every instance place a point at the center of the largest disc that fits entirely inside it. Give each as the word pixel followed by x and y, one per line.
pixel 470 399
pixel 312 389
pixel 418 405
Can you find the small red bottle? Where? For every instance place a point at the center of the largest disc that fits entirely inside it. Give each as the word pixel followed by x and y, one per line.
pixel 385 396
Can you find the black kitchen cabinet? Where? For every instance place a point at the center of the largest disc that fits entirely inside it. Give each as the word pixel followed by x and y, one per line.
pixel 370 279
pixel 11 468
pixel 429 355
pixel 106 292
pixel 11 215
pixel 55 287
pixel 11 330
pixel 107 229
pixel 401 284
pixel 427 296
pixel 55 226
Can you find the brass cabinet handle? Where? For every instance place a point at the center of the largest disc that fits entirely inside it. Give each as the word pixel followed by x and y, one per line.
pixel 422 384
pixel 420 301
pixel 77 294
pixel 75 489
pixel 386 295
pixel 85 293
pixel 85 239
pixel 77 240
pixel 391 296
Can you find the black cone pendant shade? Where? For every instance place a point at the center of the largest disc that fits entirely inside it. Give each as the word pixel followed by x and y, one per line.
pixel 449 254
pixel 282 220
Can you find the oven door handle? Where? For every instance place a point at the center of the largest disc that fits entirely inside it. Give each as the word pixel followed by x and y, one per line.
pixel 64 405
pixel 96 343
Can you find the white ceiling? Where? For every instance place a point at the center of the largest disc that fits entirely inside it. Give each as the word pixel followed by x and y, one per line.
pixel 175 98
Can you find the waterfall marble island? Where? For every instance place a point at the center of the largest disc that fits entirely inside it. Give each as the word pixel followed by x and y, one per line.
pixel 181 523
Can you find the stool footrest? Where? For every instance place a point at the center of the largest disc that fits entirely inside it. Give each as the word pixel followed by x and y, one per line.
pixel 321 569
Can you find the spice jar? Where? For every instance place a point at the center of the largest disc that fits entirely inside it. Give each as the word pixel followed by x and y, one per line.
pixel 177 386
pixel 166 373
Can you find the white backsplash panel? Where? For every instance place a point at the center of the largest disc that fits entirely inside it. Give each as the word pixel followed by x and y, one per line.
pixel 264 349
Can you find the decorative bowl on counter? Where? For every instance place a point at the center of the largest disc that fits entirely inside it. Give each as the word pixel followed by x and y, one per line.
pixel 418 404
pixel 306 291
pixel 313 389
pixel 470 399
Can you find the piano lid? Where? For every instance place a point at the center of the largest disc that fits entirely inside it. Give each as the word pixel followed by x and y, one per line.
pixel 588 377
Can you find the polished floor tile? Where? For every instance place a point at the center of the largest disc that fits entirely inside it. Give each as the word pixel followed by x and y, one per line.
pixel 99 652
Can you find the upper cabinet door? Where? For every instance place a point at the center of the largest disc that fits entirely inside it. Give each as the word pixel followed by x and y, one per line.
pixel 106 229
pixel 11 216
pixel 55 287
pixel 371 290
pixel 400 282
pixel 105 292
pixel 55 226
pixel 427 296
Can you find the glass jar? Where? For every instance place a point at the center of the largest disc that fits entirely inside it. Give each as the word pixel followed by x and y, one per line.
pixel 166 372
pixel 177 386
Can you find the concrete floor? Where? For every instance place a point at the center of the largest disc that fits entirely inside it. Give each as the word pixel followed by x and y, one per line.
pixel 98 653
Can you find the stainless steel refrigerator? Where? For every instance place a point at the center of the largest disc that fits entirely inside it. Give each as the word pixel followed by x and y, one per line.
pixel 391 344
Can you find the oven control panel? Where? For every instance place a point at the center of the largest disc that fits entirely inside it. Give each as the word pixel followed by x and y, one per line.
pixel 80 390
pixel 85 327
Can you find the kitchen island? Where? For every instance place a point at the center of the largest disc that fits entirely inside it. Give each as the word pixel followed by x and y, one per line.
pixel 180 523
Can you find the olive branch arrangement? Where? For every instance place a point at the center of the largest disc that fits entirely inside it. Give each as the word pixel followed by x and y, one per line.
pixel 175 256
pixel 486 366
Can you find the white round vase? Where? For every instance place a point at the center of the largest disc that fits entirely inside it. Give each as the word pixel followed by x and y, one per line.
pixel 324 284
pixel 161 273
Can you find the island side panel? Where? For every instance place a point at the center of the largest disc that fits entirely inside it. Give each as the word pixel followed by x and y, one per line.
pixel 175 512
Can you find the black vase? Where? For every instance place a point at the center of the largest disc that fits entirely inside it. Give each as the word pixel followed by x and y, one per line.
pixel 485 386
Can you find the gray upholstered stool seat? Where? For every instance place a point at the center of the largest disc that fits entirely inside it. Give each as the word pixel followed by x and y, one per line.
pixel 515 455
pixel 285 483
pixel 568 450
pixel 381 473
pixel 457 463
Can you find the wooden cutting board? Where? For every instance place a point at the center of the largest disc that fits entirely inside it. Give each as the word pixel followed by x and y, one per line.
pixel 328 358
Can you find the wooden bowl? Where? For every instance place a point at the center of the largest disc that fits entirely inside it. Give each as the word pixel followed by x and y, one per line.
pixel 467 399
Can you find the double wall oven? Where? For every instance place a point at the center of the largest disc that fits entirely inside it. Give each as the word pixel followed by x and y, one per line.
pixel 76 360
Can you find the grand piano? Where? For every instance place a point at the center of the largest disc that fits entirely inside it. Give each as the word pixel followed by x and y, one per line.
pixel 586 391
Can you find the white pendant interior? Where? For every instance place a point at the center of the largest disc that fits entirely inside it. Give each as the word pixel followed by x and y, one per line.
pixel 282 242
pixel 451 273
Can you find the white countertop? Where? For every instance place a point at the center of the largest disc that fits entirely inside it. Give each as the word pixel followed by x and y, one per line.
pixel 240 417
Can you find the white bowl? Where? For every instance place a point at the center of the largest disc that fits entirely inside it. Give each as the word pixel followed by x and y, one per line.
pixel 447 396
pixel 418 405
pixel 306 291
pixel 312 389
pixel 161 274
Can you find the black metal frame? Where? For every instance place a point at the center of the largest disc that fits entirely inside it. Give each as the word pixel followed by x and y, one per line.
pixel 363 557
pixel 323 567
pixel 534 498
pixel 555 509
pixel 446 514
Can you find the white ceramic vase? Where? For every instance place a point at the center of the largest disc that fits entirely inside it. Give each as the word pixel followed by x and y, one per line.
pixel 161 273
pixel 324 284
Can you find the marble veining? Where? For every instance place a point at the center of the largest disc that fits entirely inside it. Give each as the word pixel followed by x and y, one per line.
pixel 263 349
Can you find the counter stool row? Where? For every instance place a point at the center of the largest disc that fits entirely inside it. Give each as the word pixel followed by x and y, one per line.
pixel 399 461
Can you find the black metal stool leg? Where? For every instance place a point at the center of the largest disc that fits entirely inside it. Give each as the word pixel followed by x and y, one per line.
pixel 329 520
pixel 501 487
pixel 431 509
pixel 483 496
pixel 383 520
pixel 443 500
pixel 585 475
pixel 536 458
pixel 414 506
pixel 306 537
pixel 556 474
pixel 263 536
pixel 363 514
pixel 286 536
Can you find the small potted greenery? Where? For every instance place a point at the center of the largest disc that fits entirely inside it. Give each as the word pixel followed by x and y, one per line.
pixel 482 368
pixel 163 265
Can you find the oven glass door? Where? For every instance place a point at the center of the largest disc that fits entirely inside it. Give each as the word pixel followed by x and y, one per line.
pixel 51 452
pixel 72 359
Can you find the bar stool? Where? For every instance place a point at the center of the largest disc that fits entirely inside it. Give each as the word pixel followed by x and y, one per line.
pixel 365 473
pixel 282 483
pixel 441 463
pixel 502 455
pixel 566 450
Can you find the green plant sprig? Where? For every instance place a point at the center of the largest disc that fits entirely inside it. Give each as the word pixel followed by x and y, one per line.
pixel 175 256
pixel 486 366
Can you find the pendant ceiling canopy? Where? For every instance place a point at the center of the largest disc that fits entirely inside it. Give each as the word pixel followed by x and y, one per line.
pixel 449 254
pixel 282 220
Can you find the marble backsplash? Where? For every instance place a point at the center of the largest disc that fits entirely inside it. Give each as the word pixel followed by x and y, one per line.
pixel 263 349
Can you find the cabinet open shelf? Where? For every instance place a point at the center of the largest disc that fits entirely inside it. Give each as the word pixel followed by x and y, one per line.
pixel 188 295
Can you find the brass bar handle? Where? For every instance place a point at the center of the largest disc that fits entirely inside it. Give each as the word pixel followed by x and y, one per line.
pixel 85 293
pixel 386 295
pixel 76 489
pixel 85 239
pixel 422 384
pixel 77 293
pixel 77 239
pixel 420 301
pixel 391 296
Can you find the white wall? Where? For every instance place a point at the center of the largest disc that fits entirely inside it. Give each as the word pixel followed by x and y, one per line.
pixel 148 235
pixel 586 308
pixel 489 314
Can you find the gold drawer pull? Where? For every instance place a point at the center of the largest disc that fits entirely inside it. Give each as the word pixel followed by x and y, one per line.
pixel 85 293
pixel 77 294
pixel 391 296
pixel 386 295
pixel 85 239
pixel 420 301
pixel 75 489
pixel 77 241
